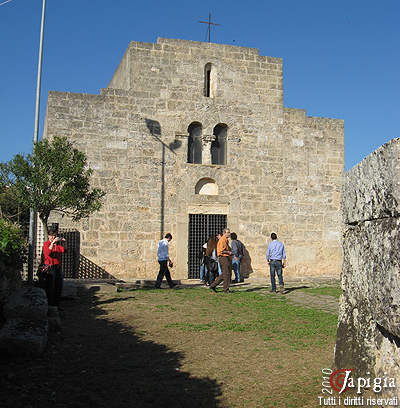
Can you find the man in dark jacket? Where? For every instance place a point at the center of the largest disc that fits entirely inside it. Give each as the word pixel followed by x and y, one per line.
pixel 237 253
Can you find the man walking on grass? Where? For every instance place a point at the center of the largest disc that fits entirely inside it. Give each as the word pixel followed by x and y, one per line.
pixel 276 258
pixel 237 255
pixel 164 261
pixel 225 260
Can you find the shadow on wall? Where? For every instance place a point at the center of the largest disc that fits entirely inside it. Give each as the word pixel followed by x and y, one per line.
pixel 74 264
pixel 89 270
pixel 245 265
pixel 117 366
pixel 155 131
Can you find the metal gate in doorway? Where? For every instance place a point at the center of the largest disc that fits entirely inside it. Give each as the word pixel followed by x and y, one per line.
pixel 201 227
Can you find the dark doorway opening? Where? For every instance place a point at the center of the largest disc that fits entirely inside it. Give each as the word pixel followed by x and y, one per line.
pixel 201 227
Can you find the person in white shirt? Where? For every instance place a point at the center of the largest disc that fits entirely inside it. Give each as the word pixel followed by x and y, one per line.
pixel 164 261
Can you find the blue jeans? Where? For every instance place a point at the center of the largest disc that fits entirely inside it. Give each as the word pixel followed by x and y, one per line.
pixel 275 266
pixel 236 267
pixel 219 269
pixel 203 272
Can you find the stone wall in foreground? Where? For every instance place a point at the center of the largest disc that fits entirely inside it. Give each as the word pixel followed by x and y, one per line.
pixel 368 338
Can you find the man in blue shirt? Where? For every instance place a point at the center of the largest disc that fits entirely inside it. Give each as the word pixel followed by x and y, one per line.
pixel 276 258
pixel 164 261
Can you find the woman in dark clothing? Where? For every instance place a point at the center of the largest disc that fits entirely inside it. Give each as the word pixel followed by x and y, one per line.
pixel 211 259
pixel 52 251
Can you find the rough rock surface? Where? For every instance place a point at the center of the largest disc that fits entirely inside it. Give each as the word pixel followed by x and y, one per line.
pixel 372 188
pixel 26 327
pixel 27 303
pixel 368 336
pixel 9 282
pixel 24 336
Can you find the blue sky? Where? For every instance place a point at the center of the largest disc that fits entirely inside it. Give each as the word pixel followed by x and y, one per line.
pixel 341 57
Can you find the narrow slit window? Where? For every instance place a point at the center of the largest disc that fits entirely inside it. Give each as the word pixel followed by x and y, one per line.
pixel 207 80
pixel 208 85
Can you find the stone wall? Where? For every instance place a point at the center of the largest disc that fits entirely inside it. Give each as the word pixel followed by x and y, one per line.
pixel 173 70
pixel 283 173
pixel 368 337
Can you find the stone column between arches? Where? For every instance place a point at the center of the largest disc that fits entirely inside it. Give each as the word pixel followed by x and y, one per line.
pixel 206 142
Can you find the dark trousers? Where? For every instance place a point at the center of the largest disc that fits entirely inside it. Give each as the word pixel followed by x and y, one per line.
pixel 164 271
pixel 54 285
pixel 226 267
pixel 212 269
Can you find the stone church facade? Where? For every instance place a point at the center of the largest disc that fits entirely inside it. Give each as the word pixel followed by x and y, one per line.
pixel 190 137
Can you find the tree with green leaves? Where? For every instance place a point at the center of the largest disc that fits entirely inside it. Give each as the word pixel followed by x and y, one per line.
pixel 55 177
pixel 12 210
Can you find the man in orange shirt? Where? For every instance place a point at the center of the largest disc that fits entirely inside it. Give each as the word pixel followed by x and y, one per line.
pixel 225 260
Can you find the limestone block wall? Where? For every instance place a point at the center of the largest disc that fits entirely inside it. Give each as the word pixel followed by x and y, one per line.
pixel 173 69
pixel 283 172
pixel 368 337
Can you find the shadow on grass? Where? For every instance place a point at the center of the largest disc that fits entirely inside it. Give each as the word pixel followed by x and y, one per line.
pixel 97 362
pixel 256 289
pixel 288 290
pixel 114 300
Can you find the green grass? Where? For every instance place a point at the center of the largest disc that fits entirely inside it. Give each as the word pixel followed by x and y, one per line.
pixel 165 307
pixel 189 326
pixel 330 291
pixel 277 347
pixel 274 319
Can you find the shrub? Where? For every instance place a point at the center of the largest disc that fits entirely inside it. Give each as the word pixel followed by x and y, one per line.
pixel 12 247
pixel 12 256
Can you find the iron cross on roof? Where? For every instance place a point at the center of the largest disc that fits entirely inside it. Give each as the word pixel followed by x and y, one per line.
pixel 209 26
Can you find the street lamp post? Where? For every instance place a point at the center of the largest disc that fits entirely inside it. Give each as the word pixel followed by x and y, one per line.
pixel 32 215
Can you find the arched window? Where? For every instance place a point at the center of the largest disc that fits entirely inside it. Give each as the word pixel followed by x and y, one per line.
pixel 210 80
pixel 194 144
pixel 218 146
pixel 206 186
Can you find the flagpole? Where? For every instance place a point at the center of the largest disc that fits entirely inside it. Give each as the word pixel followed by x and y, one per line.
pixel 32 214
pixel 39 76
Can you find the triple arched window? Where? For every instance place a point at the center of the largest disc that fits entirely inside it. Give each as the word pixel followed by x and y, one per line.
pixel 218 145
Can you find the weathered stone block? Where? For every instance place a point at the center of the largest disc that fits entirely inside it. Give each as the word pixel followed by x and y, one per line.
pixel 24 336
pixel 26 303
pixel 368 337
pixel 371 292
pixel 10 281
pixel 371 189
